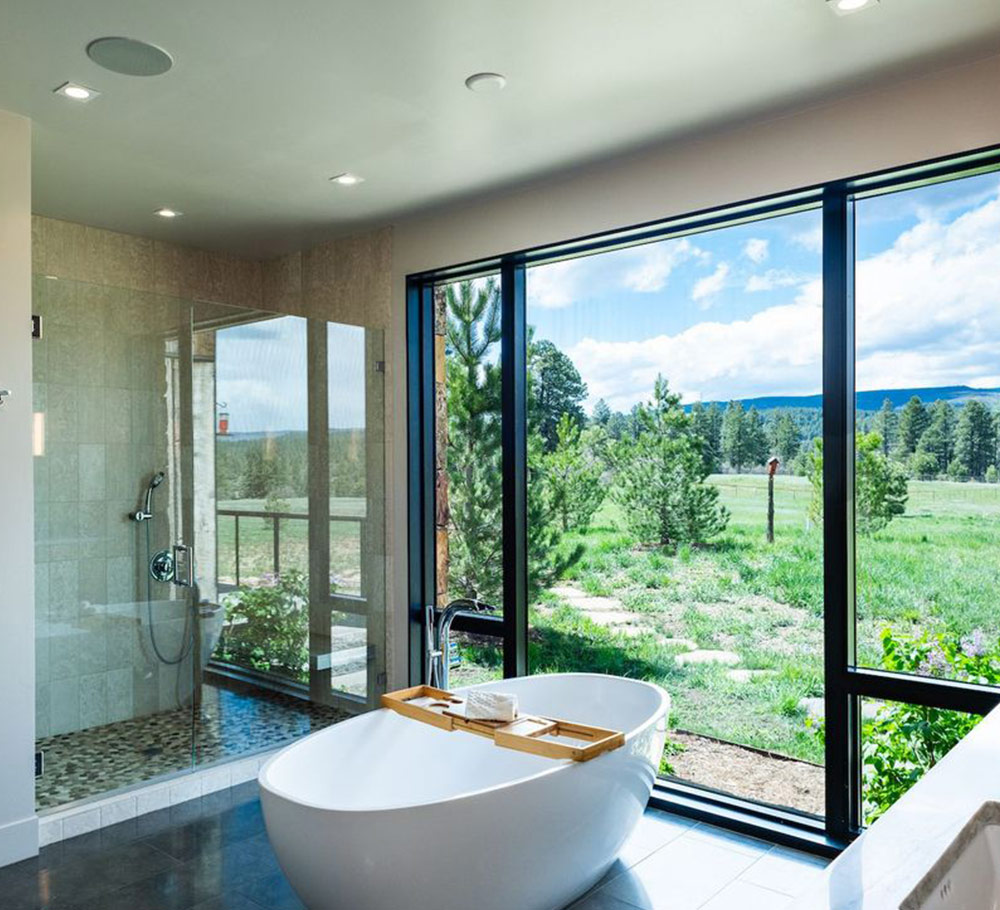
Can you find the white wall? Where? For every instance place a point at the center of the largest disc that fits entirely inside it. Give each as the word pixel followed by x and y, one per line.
pixel 18 824
pixel 939 114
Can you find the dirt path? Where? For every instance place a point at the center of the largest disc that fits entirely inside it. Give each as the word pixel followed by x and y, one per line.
pixel 747 773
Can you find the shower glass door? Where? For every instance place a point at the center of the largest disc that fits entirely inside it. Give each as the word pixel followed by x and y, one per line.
pixel 209 556
pixel 286 506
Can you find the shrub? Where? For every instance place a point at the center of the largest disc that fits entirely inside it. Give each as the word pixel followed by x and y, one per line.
pixel 880 485
pixel 901 742
pixel 880 490
pixel 267 626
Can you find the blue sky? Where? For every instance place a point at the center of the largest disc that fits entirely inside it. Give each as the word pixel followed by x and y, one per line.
pixel 735 313
pixel 261 375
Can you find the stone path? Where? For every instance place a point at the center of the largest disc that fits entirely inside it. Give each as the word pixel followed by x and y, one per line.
pixel 706 656
pixel 610 613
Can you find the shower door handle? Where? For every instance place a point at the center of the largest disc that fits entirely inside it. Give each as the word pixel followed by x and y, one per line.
pixel 183 565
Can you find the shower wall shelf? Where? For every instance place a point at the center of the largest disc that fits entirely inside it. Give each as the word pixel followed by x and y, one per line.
pixel 526 733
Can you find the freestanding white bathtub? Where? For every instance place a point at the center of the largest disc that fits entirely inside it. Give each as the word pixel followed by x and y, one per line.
pixel 382 812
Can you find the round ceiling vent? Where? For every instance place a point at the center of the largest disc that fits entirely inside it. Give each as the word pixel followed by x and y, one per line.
pixel 129 57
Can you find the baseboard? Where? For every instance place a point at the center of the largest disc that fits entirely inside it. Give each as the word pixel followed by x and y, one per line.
pixel 89 815
pixel 18 840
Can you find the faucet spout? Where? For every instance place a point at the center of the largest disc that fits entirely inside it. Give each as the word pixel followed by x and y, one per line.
pixel 438 639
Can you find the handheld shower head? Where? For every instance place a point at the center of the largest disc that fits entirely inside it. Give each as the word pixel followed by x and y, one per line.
pixel 154 482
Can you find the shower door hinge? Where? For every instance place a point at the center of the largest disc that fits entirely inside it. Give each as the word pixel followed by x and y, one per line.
pixel 379 366
pixel 39 763
pixel 36 326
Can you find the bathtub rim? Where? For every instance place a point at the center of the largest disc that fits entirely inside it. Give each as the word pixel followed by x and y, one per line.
pixel 663 708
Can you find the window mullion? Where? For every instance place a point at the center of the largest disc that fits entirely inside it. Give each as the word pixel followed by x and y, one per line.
pixel 514 424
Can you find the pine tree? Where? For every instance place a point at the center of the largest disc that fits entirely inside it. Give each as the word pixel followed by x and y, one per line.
pixel 474 448
pixel 601 413
pixel 913 420
pixel 886 424
pixel 975 440
pixel 734 446
pixel 660 473
pixel 786 442
pixel 707 423
pixel 756 438
pixel 555 388
pixel 572 475
pixel 938 440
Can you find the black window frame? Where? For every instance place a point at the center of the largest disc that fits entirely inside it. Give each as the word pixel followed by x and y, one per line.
pixel 845 682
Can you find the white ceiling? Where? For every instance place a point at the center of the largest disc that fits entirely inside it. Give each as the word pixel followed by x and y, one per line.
pixel 267 99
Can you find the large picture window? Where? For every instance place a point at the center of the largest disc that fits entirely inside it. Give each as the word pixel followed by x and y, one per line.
pixel 660 387
pixel 751 455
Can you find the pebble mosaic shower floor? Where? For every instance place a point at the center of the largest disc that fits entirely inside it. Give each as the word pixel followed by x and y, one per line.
pixel 228 724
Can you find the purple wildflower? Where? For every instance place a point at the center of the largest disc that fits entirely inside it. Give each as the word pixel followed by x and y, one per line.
pixel 974 645
pixel 936 663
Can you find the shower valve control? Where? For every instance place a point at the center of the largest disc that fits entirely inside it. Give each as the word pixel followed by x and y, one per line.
pixel 183 566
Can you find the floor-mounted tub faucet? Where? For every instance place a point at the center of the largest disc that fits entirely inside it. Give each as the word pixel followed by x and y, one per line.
pixel 439 632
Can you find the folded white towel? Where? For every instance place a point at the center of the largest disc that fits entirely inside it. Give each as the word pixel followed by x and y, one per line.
pixel 490 706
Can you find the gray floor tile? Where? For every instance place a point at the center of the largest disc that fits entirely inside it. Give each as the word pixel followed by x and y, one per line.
pixel 731 840
pixel 740 895
pixel 788 871
pixel 682 875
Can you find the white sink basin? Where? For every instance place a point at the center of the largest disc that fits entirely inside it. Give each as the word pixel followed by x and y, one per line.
pixel 967 876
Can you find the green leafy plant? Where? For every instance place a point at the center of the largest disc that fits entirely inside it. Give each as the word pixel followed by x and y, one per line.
pixel 880 488
pixel 901 742
pixel 267 626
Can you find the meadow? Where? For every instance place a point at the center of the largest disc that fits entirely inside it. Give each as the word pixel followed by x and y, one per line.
pixel 934 568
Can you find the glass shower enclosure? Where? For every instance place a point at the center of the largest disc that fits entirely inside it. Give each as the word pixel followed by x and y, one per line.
pixel 210 532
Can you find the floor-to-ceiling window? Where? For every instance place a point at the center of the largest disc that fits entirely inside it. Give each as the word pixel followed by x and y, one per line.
pixel 749 454
pixel 468 467
pixel 927 501
pixel 661 545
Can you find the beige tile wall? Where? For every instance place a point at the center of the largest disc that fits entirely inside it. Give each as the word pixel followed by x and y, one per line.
pixel 82 253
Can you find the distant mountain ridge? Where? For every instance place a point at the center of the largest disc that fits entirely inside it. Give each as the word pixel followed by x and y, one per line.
pixel 872 400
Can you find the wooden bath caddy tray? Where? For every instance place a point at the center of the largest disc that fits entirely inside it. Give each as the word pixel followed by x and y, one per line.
pixel 526 733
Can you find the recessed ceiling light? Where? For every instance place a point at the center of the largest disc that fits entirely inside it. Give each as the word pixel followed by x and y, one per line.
pixel 168 213
pixel 347 179
pixel 485 82
pixel 76 92
pixel 844 7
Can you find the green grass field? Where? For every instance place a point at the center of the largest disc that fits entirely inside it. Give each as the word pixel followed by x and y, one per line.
pixel 257 542
pixel 934 567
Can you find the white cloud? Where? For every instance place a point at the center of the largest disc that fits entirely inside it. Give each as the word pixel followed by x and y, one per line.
pixel 555 285
pixel 756 249
pixel 771 279
pixel 710 285
pixel 657 261
pixel 927 310
pixel 812 240
pixel 928 313
pixel 713 360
